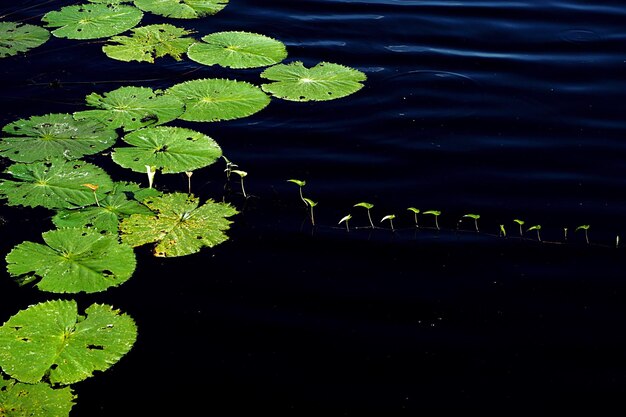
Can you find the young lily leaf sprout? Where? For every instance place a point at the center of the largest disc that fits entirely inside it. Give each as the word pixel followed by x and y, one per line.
pixel 502 231
pixel 536 227
pixel 475 217
pixel 151 170
pixel 368 207
pixel 311 204
pixel 241 175
pixel 229 167
pixel 346 219
pixel 189 174
pixel 93 188
pixel 521 223
pixel 435 213
pixel 300 184
pixel 415 213
pixel 584 227
pixel 389 217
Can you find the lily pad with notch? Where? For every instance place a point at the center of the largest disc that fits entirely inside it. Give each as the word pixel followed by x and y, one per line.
pixel 179 225
pixel 121 202
pixel 148 43
pixel 236 49
pixel 59 135
pixel 17 38
pixel 54 184
pixel 32 399
pixel 216 99
pixel 51 340
pixel 72 260
pixel 132 108
pixel 92 20
pixel 168 149
pixel 325 81
pixel 182 9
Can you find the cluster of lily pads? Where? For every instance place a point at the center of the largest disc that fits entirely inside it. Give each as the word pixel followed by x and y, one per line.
pixel 99 220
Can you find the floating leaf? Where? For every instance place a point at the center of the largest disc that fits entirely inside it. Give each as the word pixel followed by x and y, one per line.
pixel 179 225
pixel 182 9
pixel 169 149
pixel 73 260
pixel 92 21
pixel 148 43
pixel 212 99
pixel 40 138
pixel 18 399
pixel 51 339
pixel 54 184
pixel 118 204
pixel 237 50
pixel 132 108
pixel 20 37
pixel 325 81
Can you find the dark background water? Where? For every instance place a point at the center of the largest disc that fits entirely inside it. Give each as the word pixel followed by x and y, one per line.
pixel 507 109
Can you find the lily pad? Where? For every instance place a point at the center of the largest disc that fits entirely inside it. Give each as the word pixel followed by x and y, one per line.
pixel 132 108
pixel 51 339
pixel 237 50
pixel 182 9
pixel 18 399
pixel 179 225
pixel 213 99
pixel 92 20
pixel 119 203
pixel 20 37
pixel 324 81
pixel 169 149
pixel 148 43
pixel 54 184
pixel 40 138
pixel 73 260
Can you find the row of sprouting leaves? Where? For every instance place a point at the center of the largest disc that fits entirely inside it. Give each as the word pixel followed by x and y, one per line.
pixel 521 226
pixel 100 220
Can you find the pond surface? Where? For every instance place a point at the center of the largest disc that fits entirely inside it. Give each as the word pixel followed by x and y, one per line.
pixel 507 109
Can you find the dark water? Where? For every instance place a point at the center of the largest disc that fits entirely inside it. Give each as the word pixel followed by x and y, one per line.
pixel 507 109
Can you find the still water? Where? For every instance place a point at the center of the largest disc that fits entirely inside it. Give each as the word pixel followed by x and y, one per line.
pixel 507 109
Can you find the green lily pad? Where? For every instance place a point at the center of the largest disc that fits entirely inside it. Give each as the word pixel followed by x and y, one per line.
pixel 237 50
pixel 325 81
pixel 18 399
pixel 119 203
pixel 213 99
pixel 54 184
pixel 92 20
pixel 51 339
pixel 132 108
pixel 169 149
pixel 148 43
pixel 20 37
pixel 73 260
pixel 182 9
pixel 179 225
pixel 39 138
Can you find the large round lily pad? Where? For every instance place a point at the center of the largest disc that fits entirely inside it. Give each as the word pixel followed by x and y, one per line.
pixel 324 81
pixel 213 99
pixel 179 225
pixel 168 149
pixel 148 43
pixel 132 108
pixel 39 138
pixel 73 260
pixel 237 50
pixel 182 9
pixel 52 339
pixel 54 184
pixel 92 20
pixel 20 37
